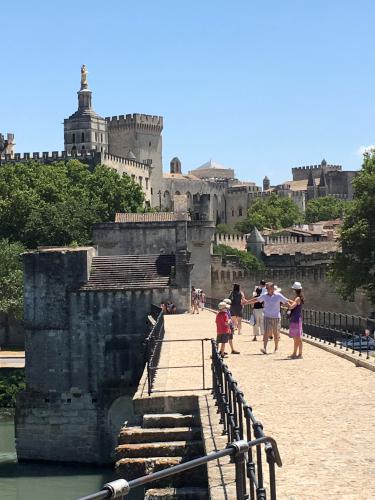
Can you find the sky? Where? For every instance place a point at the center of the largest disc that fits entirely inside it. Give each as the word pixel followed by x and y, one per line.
pixel 260 86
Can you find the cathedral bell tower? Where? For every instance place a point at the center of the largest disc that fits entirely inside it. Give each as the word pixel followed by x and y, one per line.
pixel 84 130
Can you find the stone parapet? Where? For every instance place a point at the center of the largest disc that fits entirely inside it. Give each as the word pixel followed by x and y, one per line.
pixel 136 120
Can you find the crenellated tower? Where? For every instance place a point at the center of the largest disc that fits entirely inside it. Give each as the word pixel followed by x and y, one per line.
pixel 85 130
pixel 141 134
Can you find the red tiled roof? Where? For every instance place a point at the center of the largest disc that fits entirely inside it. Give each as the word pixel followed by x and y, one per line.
pixel 304 248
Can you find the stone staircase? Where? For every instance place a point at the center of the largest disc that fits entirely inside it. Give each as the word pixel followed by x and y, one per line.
pixel 130 271
pixel 164 440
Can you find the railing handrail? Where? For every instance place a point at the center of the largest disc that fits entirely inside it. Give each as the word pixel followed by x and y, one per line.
pixel 121 487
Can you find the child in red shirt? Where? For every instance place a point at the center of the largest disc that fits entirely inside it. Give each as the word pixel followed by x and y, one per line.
pixel 222 328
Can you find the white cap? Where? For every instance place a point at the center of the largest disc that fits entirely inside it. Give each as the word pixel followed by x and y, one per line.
pixel 222 305
pixel 227 301
pixel 297 285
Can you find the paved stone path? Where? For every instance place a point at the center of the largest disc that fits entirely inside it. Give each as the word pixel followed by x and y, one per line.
pixel 320 409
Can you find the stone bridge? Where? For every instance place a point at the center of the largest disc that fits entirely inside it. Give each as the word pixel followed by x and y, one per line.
pixel 320 410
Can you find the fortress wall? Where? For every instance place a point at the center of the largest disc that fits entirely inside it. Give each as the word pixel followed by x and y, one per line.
pixel 319 291
pixel 237 241
pixel 302 173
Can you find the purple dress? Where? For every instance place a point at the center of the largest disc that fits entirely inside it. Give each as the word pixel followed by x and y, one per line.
pixel 295 327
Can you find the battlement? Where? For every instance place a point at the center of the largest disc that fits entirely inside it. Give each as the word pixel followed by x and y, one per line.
pixel 136 120
pixel 302 173
pixel 92 156
pixel 145 165
pixel 237 241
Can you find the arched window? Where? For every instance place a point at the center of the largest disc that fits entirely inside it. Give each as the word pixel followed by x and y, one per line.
pixel 240 212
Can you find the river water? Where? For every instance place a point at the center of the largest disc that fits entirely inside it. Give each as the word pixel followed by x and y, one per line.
pixel 39 481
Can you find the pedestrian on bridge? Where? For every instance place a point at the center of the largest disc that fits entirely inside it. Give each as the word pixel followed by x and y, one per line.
pixel 237 298
pixel 231 325
pixel 295 317
pixel 272 301
pixel 222 328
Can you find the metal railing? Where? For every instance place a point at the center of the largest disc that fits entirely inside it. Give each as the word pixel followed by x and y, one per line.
pixel 239 423
pixel 349 332
pixel 152 368
pixel 153 345
pixel 237 450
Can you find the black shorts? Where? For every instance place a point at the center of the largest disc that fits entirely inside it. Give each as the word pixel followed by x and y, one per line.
pixel 222 338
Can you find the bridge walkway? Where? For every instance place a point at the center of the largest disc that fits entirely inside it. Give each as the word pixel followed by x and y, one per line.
pixel 320 409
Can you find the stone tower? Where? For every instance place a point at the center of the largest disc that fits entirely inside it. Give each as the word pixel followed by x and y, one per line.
pixel 311 188
pixel 140 134
pixel 175 166
pixel 255 243
pixel 266 183
pixel 322 188
pixel 84 130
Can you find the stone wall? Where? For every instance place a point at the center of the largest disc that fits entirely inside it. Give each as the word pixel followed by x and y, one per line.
pixel 319 291
pixel 237 241
pixel 84 351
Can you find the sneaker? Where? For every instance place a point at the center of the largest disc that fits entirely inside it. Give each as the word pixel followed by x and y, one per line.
pixel 263 351
pixel 292 356
pixel 255 339
pixel 235 352
pixel 299 356
pixel 271 338
pixel 225 355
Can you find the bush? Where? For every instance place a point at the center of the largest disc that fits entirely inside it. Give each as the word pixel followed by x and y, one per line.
pixel 12 381
pixel 247 260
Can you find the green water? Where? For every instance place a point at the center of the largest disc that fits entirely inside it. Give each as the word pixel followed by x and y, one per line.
pixel 36 481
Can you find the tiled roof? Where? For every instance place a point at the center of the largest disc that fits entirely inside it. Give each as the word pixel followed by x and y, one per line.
pixel 151 217
pixel 304 248
pixel 127 272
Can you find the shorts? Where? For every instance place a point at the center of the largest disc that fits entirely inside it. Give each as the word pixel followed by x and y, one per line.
pixel 271 326
pixel 222 338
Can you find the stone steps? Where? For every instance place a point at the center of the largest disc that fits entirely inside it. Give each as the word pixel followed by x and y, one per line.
pixel 165 420
pixel 158 449
pixel 164 440
pixel 131 468
pixel 187 493
pixel 139 435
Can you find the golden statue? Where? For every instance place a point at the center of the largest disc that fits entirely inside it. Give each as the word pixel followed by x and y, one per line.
pixel 84 83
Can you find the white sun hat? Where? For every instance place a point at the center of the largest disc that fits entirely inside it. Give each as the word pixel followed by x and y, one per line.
pixel 297 285
pixel 222 305
pixel 276 289
pixel 227 301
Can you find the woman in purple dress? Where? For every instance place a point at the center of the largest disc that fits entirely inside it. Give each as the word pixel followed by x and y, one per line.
pixel 295 328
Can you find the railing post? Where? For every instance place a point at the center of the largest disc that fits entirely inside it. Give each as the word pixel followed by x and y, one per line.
pixel 241 448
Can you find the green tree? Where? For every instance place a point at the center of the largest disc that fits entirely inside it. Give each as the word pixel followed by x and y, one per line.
pixel 226 229
pixel 274 212
pixel 324 208
pixel 56 204
pixel 247 260
pixel 11 278
pixel 354 268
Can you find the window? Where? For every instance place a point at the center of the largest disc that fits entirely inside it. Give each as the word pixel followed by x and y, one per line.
pixel 140 180
pixel 101 137
pixel 152 192
pixel 83 137
pixel 232 212
pixel 149 144
pixel 146 181
pixel 73 138
pixel 240 212
pixel 96 137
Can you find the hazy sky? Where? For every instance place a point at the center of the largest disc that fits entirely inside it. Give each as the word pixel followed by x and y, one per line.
pixel 260 86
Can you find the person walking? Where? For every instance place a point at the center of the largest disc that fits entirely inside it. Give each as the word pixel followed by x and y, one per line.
pixel 236 309
pixel 295 325
pixel 231 325
pixel 202 300
pixel 272 302
pixel 194 301
pixel 258 326
pixel 222 328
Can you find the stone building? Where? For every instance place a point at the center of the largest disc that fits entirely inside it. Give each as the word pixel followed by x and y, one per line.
pixel 85 323
pixel 6 146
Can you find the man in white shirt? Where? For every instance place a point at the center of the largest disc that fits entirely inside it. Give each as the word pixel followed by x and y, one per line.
pixel 271 301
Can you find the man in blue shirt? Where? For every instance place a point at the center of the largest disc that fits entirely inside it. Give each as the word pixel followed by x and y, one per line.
pixel 271 301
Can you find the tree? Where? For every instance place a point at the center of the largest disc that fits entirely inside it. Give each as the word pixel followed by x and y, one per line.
pixel 11 278
pixel 324 208
pixel 354 268
pixel 247 260
pixel 273 212
pixel 55 204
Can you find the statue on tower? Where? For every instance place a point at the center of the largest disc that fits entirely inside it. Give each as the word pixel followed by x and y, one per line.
pixel 84 83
